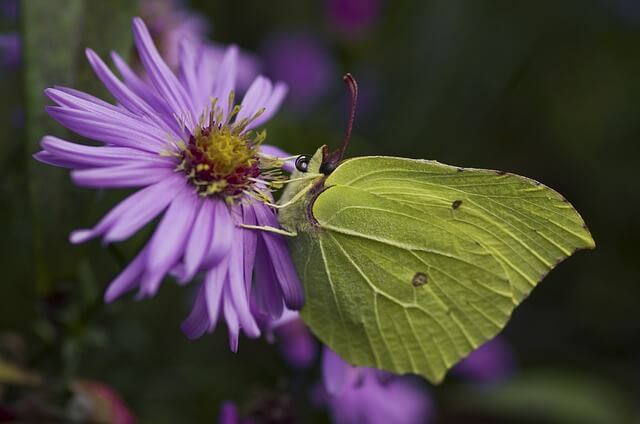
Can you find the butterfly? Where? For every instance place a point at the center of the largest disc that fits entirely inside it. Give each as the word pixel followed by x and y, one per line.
pixel 409 265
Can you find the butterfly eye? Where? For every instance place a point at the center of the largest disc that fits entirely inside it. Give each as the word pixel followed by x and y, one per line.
pixel 302 163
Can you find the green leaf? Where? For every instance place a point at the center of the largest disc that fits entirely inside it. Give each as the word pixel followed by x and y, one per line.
pixel 411 264
pixel 55 35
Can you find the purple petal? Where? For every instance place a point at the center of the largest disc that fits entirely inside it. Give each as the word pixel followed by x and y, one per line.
pixel 335 372
pixel 215 282
pixel 238 287
pixel 104 113
pixel 127 279
pixel 189 76
pixel 492 362
pixel 226 78
pixel 81 156
pixel 268 295
pixel 199 239
pixel 160 75
pixel 197 322
pixel 249 240
pixel 126 132
pixel 148 94
pixel 297 344
pixel 132 100
pixel 282 264
pixel 169 240
pixel 134 212
pixel 51 159
pixel 120 91
pixel 222 236
pixel 255 98
pixel 66 96
pixel 231 318
pixel 271 106
pixel 121 176
pixel 208 66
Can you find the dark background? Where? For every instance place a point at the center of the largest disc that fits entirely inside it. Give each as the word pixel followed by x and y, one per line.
pixel 550 90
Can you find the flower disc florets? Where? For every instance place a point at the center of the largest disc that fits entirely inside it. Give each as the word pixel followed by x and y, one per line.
pixel 223 159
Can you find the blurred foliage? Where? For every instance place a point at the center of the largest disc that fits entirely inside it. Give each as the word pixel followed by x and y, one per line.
pixel 545 89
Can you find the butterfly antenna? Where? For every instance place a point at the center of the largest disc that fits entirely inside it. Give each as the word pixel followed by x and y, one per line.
pixel 353 88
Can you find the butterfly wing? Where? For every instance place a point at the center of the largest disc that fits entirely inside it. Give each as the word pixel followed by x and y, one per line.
pixel 414 264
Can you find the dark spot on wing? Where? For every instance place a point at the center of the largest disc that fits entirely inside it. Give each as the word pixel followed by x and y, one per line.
pixel 456 204
pixel 420 279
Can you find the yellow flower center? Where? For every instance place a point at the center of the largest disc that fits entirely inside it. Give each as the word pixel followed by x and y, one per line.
pixel 220 159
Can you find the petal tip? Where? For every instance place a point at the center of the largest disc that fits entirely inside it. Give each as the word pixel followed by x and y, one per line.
pixel 80 236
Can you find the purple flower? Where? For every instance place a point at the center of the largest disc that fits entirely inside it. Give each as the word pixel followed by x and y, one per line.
pixel 491 362
pixel 304 63
pixel 198 160
pixel 369 396
pixel 295 342
pixel 9 50
pixel 9 8
pixel 228 414
pixel 353 17
pixel 171 23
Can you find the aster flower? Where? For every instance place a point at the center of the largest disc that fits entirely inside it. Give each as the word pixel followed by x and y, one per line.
pixel 196 157
pixel 369 396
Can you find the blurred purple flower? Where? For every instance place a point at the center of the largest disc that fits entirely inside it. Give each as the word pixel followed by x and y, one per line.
pixel 301 61
pixel 359 395
pixel 9 8
pixel 199 159
pixel 295 342
pixel 228 414
pixel 9 50
pixel 171 23
pixel 491 362
pixel 353 18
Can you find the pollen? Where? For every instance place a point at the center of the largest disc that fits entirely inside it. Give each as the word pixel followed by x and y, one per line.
pixel 221 158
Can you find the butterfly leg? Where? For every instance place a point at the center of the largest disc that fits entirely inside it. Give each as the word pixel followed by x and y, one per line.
pixel 270 229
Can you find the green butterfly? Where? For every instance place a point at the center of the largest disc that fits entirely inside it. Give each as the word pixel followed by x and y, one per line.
pixel 409 265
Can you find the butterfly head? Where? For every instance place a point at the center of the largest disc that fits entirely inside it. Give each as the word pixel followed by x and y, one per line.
pixel 323 161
